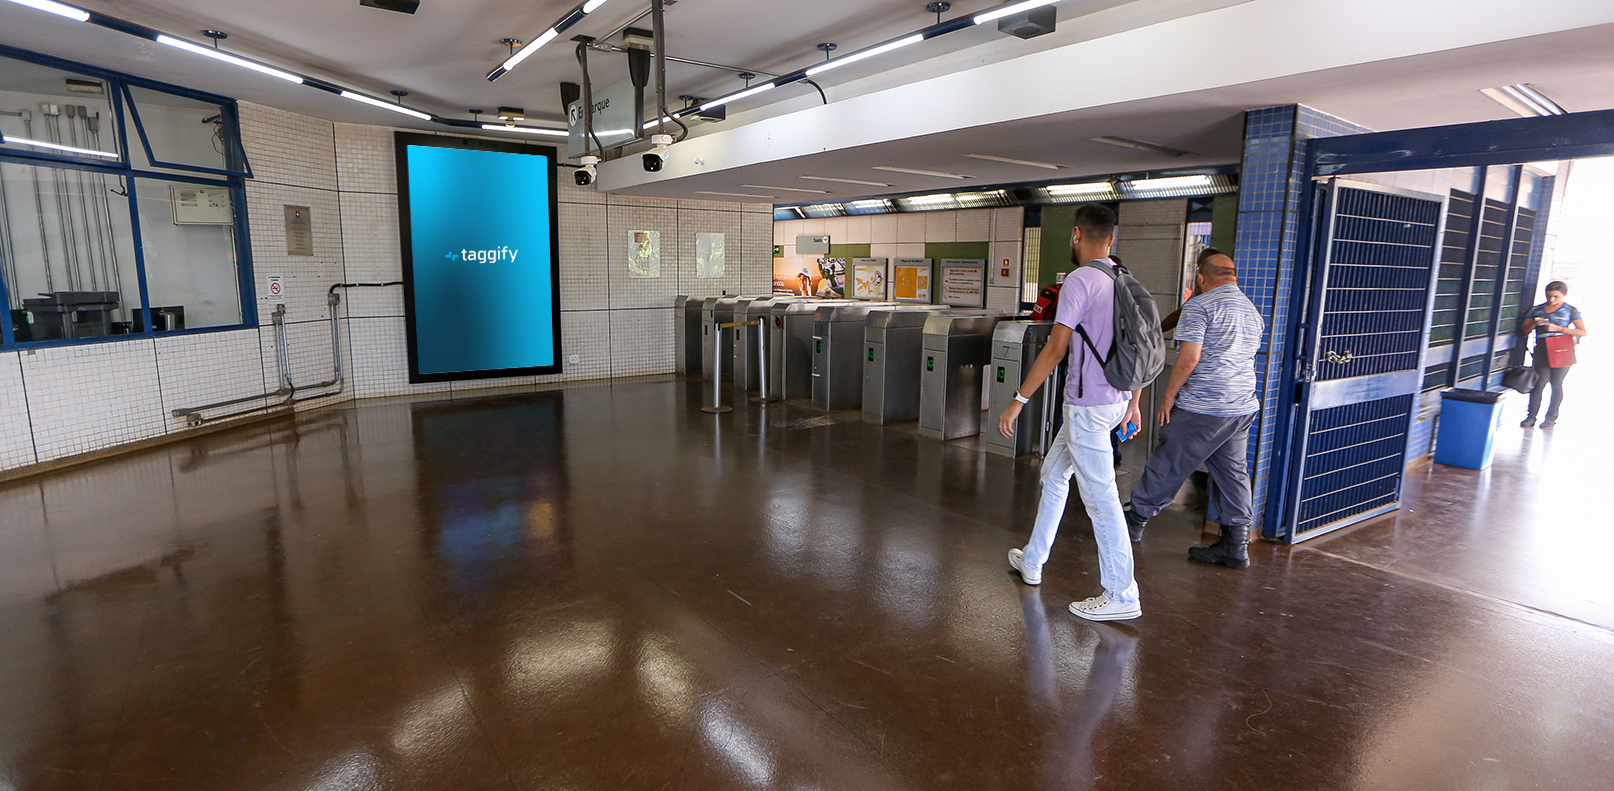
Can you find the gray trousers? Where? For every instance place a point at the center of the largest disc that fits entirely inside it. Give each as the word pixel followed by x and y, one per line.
pixel 1192 439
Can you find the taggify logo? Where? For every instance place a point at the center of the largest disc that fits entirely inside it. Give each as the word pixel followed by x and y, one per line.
pixel 484 256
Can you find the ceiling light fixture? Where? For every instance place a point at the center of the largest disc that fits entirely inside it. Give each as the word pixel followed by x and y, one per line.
pixel 526 130
pixel 89 152
pixel 722 100
pixel 938 199
pixel 592 5
pixel 1013 8
pixel 1169 183
pixel 1524 99
pixel 880 49
pixel 845 181
pixel 227 58
pixel 397 108
pixel 59 9
pixel 733 194
pixel 785 189
pixel 1138 145
pixel 932 173
pixel 1071 190
pixel 1010 161
pixel 875 204
pixel 572 17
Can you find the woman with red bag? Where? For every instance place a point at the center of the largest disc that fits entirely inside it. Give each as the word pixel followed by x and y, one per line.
pixel 1558 327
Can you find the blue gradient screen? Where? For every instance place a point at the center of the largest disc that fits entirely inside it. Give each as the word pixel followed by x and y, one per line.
pixel 479 235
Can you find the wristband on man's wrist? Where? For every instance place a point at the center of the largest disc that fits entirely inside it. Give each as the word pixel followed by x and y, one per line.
pixel 1020 398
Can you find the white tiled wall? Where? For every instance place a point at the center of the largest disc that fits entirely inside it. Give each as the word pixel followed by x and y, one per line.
pixel 74 400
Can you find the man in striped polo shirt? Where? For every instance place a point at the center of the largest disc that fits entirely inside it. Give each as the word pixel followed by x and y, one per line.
pixel 1206 412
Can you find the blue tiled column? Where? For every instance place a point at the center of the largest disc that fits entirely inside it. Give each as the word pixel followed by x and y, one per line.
pixel 1269 205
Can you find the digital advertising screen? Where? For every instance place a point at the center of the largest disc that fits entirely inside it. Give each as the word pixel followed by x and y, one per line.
pixel 479 257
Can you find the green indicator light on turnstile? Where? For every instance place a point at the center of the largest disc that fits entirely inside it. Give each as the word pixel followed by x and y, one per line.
pixel 871 354
pixel 1000 374
pixel 818 346
pixel 930 363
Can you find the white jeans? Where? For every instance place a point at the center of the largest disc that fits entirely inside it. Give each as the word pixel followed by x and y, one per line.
pixel 1083 448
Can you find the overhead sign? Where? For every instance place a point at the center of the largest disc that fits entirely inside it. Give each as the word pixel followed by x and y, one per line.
pixel 618 118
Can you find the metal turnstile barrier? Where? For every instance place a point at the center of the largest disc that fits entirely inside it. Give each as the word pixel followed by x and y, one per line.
pixel 1015 346
pixel 687 317
pixel 714 311
pixel 893 339
pixel 837 351
pixel 790 348
pixel 957 351
pixel 750 342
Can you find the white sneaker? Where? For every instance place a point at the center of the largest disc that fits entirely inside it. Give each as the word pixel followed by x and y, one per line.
pixel 1100 608
pixel 1017 561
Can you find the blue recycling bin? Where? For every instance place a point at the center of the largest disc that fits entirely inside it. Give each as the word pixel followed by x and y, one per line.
pixel 1468 423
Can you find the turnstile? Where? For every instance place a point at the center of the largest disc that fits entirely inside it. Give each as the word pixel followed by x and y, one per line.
pixel 745 367
pixel 892 341
pixel 957 350
pixel 717 343
pixel 790 348
pixel 837 349
pixel 687 318
pixel 1015 346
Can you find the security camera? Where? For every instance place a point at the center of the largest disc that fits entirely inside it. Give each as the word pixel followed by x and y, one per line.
pixel 657 156
pixel 585 174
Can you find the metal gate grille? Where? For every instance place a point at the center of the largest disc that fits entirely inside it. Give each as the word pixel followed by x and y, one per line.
pixel 1353 460
pixel 1378 284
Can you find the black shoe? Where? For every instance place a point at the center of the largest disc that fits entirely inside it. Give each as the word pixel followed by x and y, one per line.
pixel 1134 523
pixel 1549 423
pixel 1529 422
pixel 1230 550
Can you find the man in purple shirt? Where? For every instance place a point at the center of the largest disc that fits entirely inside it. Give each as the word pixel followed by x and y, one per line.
pixel 1092 410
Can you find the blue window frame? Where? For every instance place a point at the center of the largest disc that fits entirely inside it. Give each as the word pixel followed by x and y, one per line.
pixel 96 194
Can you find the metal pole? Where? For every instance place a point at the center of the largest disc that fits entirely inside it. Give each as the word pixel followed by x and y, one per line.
pixel 39 204
pixel 762 362
pixel 717 407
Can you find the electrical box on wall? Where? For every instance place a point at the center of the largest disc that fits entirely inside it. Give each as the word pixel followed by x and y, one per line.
pixel 812 245
pixel 194 205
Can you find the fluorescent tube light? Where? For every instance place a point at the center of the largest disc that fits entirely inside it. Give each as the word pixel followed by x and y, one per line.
pixel 938 199
pixel 870 205
pixel 397 108
pixel 733 194
pixel 1013 8
pixel 1523 99
pixel 527 130
pixel 59 9
pixel 521 54
pixel 227 58
pixel 785 189
pixel 1529 91
pixel 933 173
pixel 1090 188
pixel 1169 183
pixel 89 152
pixel 845 181
pixel 974 199
pixel 722 100
pixel 1009 161
pixel 868 53
pixel 1139 145
pixel 590 6
pixel 664 119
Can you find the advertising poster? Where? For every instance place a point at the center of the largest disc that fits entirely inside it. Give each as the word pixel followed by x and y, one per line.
pixel 868 278
pixel 644 253
pixel 477 226
pixel 709 256
pixel 963 283
pixel 910 280
pixel 809 277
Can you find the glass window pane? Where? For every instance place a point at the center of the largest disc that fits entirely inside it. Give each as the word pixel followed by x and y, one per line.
pixel 67 251
pixel 187 234
pixel 47 110
pixel 181 131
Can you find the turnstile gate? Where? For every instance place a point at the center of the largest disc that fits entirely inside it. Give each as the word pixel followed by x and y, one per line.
pixel 957 350
pixel 687 319
pixel 790 348
pixel 749 360
pixel 715 312
pixel 892 342
pixel 1015 346
pixel 837 349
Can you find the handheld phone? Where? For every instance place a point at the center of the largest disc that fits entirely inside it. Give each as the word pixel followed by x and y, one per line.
pixel 1127 431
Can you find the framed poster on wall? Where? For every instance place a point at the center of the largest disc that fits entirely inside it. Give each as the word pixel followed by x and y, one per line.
pixel 480 257
pixel 869 278
pixel 910 280
pixel 963 283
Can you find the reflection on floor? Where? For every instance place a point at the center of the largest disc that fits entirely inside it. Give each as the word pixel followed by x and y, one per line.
pixel 604 588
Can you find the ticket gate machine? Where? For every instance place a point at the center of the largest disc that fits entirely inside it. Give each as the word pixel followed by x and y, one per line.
pixel 746 370
pixel 687 318
pixel 790 348
pixel 1015 346
pixel 714 311
pixel 837 379
pixel 892 341
pixel 957 351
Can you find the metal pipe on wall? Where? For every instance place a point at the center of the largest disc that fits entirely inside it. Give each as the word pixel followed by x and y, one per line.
pixel 39 206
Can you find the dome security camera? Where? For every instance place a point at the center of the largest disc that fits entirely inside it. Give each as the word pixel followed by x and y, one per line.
pixel 656 157
pixel 584 175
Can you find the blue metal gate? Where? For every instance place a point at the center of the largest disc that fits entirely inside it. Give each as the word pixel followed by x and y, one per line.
pixel 1358 364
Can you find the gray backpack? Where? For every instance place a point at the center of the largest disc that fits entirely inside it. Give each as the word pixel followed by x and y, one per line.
pixel 1138 353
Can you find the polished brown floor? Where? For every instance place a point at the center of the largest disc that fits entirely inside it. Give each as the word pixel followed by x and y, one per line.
pixel 603 588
